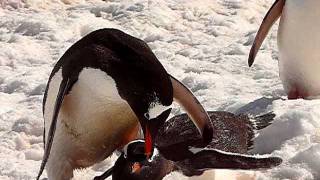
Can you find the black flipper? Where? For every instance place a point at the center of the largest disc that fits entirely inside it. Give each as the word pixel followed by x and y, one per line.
pixel 105 175
pixel 64 87
pixel 215 159
pixel 271 17
pixel 194 109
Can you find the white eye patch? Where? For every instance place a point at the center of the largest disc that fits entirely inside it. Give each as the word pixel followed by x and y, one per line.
pixel 155 109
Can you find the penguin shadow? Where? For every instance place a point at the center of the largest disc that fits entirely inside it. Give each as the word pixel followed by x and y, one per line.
pixel 179 147
pixel 257 107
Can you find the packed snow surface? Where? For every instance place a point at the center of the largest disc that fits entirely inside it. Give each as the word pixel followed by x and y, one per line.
pixel 202 43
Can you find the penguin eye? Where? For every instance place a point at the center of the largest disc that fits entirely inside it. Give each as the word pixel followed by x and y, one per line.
pixel 146 115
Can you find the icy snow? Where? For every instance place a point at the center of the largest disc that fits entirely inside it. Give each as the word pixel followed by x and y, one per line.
pixel 203 43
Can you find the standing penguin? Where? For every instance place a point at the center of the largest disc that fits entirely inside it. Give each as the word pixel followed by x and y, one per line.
pixel 298 43
pixel 233 137
pixel 98 93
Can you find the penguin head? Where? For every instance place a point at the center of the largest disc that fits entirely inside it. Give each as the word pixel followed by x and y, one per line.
pixel 150 97
pixel 151 123
pixel 133 164
pixel 134 151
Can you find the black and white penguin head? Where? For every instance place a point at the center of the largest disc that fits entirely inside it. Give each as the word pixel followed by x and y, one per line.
pixel 133 164
pixel 136 165
pixel 149 95
pixel 134 151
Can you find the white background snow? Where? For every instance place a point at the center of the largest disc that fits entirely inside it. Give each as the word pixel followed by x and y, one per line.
pixel 204 43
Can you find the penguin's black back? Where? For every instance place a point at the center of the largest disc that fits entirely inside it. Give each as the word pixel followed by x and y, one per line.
pixel 129 61
pixel 231 133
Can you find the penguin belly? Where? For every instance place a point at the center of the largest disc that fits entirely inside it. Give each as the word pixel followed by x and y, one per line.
pixel 299 48
pixel 93 122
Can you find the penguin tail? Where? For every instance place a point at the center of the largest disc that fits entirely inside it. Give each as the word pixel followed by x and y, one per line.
pixel 256 123
pixel 263 121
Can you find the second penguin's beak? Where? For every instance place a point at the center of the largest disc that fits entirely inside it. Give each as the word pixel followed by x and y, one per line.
pixel 136 167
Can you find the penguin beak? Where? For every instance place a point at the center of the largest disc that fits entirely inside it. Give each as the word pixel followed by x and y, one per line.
pixel 136 167
pixel 150 129
pixel 148 142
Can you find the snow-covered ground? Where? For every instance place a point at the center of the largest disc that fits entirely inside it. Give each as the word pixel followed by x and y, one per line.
pixel 204 43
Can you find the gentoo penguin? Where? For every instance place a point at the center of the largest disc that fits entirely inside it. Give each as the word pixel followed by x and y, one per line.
pixel 99 92
pixel 298 43
pixel 176 149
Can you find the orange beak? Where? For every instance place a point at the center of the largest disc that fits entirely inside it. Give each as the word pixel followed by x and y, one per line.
pixel 136 167
pixel 148 143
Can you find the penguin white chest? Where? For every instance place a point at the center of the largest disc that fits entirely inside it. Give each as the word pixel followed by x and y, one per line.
pixel 299 47
pixel 93 121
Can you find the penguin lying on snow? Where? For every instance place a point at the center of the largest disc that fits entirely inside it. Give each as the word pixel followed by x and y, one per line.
pixel 299 45
pixel 178 149
pixel 98 93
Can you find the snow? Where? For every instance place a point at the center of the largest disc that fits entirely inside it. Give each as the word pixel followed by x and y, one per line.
pixel 204 44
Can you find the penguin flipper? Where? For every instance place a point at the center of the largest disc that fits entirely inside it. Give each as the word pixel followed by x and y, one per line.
pixel 271 17
pixel 64 86
pixel 216 159
pixel 195 111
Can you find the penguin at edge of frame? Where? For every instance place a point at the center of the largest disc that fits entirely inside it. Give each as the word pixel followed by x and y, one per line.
pixel 298 45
